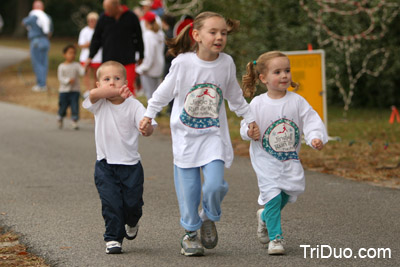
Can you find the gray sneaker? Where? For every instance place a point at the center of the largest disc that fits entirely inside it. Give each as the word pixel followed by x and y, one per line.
pixel 262 232
pixel 191 245
pixel 209 235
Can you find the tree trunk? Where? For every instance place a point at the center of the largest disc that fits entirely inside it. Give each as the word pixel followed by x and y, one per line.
pixel 22 10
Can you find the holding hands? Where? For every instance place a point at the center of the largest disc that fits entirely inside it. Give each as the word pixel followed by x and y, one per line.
pixel 254 131
pixel 145 127
pixel 317 144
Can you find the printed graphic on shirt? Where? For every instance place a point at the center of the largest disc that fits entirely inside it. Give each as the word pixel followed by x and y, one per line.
pixel 281 140
pixel 202 105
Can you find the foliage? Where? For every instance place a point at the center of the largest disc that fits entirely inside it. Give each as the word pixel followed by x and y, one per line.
pixel 272 25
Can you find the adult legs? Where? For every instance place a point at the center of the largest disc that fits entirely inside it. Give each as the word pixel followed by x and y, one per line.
pixel 39 57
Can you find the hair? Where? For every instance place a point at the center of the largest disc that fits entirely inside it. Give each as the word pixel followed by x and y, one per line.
pixel 109 64
pixel 67 47
pixel 92 15
pixel 255 68
pixel 184 42
pixel 154 26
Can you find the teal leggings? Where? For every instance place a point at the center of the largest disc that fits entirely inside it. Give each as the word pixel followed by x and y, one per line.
pixel 272 215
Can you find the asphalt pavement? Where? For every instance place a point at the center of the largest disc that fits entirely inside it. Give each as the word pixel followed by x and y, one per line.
pixel 47 194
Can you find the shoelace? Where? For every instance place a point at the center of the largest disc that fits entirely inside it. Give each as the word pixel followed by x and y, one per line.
pixel 279 239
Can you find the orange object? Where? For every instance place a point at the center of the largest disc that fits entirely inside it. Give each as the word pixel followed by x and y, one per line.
pixel 395 114
pixel 309 47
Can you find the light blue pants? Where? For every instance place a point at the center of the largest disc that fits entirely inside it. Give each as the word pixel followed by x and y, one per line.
pixel 188 190
pixel 272 215
pixel 39 58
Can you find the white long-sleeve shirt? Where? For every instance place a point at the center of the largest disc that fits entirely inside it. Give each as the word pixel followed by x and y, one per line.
pixel 199 125
pixel 154 60
pixel 65 73
pixel 275 157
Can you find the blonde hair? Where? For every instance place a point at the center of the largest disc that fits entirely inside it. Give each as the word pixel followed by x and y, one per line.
pixel 110 63
pixel 184 43
pixel 92 15
pixel 257 67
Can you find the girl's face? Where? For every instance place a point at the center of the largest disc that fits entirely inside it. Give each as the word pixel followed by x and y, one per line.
pixel 211 38
pixel 277 77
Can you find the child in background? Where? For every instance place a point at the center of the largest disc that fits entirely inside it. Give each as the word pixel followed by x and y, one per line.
pixel 118 172
pixel 199 80
pixel 282 117
pixel 68 74
pixel 152 67
pixel 85 37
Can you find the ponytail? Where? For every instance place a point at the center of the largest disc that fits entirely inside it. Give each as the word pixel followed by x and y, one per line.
pixel 182 43
pixel 295 86
pixel 233 25
pixel 249 80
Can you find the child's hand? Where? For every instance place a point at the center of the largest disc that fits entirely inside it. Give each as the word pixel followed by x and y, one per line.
pixel 254 131
pixel 71 81
pixel 124 92
pixel 317 144
pixel 144 126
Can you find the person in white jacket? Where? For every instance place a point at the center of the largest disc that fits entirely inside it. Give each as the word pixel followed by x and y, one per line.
pixel 152 68
pixel 282 117
pixel 199 81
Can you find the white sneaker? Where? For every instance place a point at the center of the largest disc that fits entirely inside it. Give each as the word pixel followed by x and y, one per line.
pixel 75 125
pixel 38 88
pixel 131 232
pixel 262 232
pixel 113 247
pixel 275 247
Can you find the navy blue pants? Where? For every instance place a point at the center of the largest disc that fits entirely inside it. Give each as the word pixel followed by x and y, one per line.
pixel 121 193
pixel 69 99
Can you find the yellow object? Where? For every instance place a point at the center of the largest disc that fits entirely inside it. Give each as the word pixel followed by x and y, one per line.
pixel 308 69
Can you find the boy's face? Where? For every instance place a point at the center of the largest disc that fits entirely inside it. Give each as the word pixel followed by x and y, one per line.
pixel 70 55
pixel 111 77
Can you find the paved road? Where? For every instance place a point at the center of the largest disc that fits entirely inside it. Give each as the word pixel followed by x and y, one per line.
pixel 48 195
pixel 11 56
